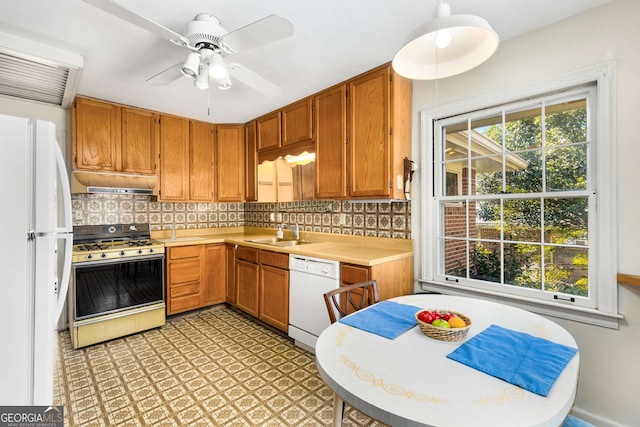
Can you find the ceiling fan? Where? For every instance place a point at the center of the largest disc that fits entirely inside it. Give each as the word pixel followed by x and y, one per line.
pixel 208 43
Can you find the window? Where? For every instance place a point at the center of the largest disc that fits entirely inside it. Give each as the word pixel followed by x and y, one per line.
pixel 515 210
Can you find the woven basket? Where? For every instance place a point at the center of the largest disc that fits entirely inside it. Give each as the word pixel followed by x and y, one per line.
pixel 444 334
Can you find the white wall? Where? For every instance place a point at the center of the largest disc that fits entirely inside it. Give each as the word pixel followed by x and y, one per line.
pixel 609 383
pixel 39 111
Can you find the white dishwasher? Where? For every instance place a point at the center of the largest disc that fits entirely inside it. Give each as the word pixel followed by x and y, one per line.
pixel 309 279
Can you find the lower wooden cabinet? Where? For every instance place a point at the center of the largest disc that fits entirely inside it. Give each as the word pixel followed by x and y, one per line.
pixel 196 277
pixel 394 278
pixel 214 284
pixel 262 285
pixel 274 289
pixel 247 280
pixel 231 273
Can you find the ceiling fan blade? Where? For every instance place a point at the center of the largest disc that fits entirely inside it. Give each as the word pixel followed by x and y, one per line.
pixel 167 76
pixel 253 80
pixel 266 30
pixel 115 9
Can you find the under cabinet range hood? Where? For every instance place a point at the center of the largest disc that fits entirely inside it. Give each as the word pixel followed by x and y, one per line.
pixel 114 183
pixel 33 71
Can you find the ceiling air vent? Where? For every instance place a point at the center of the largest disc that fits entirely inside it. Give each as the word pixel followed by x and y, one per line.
pixel 37 72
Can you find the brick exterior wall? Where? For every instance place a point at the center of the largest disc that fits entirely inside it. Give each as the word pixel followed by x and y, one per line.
pixel 455 225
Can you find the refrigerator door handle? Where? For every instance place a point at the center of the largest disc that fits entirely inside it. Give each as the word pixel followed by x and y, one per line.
pixel 66 274
pixel 63 180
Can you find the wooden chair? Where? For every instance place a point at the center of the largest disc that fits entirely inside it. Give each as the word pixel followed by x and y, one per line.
pixel 350 298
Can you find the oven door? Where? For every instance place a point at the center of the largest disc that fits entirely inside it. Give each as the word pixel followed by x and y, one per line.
pixel 113 286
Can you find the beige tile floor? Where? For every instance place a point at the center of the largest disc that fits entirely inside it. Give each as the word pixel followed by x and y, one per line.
pixel 215 367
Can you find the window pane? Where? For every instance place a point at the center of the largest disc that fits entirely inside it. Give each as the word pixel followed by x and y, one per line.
pixel 452 179
pixel 566 123
pixel 523 129
pixel 524 172
pixel 522 265
pixel 456 144
pixel 566 270
pixel 484 219
pixel 486 175
pixel 455 219
pixel 566 221
pixel 486 136
pixel 567 168
pixel 484 261
pixel 455 257
pixel 522 220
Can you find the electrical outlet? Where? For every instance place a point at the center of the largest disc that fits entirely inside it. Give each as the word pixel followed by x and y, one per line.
pixel 78 215
pixel 343 219
pixel 272 217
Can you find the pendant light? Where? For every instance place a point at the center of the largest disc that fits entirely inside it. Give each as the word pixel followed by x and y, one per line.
pixel 446 46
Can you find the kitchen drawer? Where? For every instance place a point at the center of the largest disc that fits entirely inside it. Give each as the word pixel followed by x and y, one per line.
pixel 184 290
pixel 247 254
pixel 353 273
pixel 180 252
pixel 184 271
pixel 184 303
pixel 274 259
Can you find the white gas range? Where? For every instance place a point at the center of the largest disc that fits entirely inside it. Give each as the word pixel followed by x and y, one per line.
pixel 117 284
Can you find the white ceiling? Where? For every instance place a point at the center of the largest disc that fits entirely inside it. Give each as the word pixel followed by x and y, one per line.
pixel 333 40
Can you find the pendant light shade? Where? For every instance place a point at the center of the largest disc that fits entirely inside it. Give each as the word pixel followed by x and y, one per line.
pixel 446 46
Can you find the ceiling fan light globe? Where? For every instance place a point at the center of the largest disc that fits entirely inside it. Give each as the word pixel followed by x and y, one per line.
pixel 225 83
pixel 191 65
pixel 202 81
pixel 217 67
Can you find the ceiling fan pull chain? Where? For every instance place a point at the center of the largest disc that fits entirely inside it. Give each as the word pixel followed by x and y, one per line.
pixel 208 102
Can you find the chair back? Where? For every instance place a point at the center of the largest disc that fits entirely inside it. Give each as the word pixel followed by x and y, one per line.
pixel 348 299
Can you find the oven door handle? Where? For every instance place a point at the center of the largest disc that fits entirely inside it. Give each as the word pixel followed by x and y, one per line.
pixel 117 260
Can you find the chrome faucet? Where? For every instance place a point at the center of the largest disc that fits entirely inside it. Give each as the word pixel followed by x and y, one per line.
pixel 295 228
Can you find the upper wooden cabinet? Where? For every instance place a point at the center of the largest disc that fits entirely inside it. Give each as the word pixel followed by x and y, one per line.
pixel 140 138
pixel 286 127
pixel 187 166
pixel 251 162
pixel 109 137
pixel 379 133
pixel 230 163
pixel 331 143
pixel 269 131
pixel 297 122
pixel 201 161
pixel 174 158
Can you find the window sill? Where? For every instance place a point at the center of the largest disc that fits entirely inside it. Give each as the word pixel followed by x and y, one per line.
pixel 577 314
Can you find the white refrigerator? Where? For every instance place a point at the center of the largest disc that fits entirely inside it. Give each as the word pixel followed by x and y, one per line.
pixel 35 257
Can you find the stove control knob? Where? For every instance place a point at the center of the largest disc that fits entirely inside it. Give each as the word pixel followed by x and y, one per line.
pixel 103 255
pixel 89 256
pixel 151 250
pixel 140 251
pixel 122 253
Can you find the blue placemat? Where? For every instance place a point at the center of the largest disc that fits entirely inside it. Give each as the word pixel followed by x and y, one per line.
pixel 387 318
pixel 521 359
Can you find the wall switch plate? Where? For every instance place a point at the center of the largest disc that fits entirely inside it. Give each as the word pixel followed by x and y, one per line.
pixel 272 216
pixel 343 219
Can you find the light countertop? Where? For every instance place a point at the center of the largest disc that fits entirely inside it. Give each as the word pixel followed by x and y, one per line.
pixel 359 250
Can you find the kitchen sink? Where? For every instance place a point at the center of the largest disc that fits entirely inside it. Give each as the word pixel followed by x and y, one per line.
pixel 274 241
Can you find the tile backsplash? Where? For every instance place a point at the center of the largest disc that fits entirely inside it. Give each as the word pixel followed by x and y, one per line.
pixel 340 217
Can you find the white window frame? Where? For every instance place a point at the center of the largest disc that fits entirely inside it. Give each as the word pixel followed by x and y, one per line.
pixel 604 264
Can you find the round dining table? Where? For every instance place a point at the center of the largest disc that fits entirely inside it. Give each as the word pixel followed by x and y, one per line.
pixel 409 381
